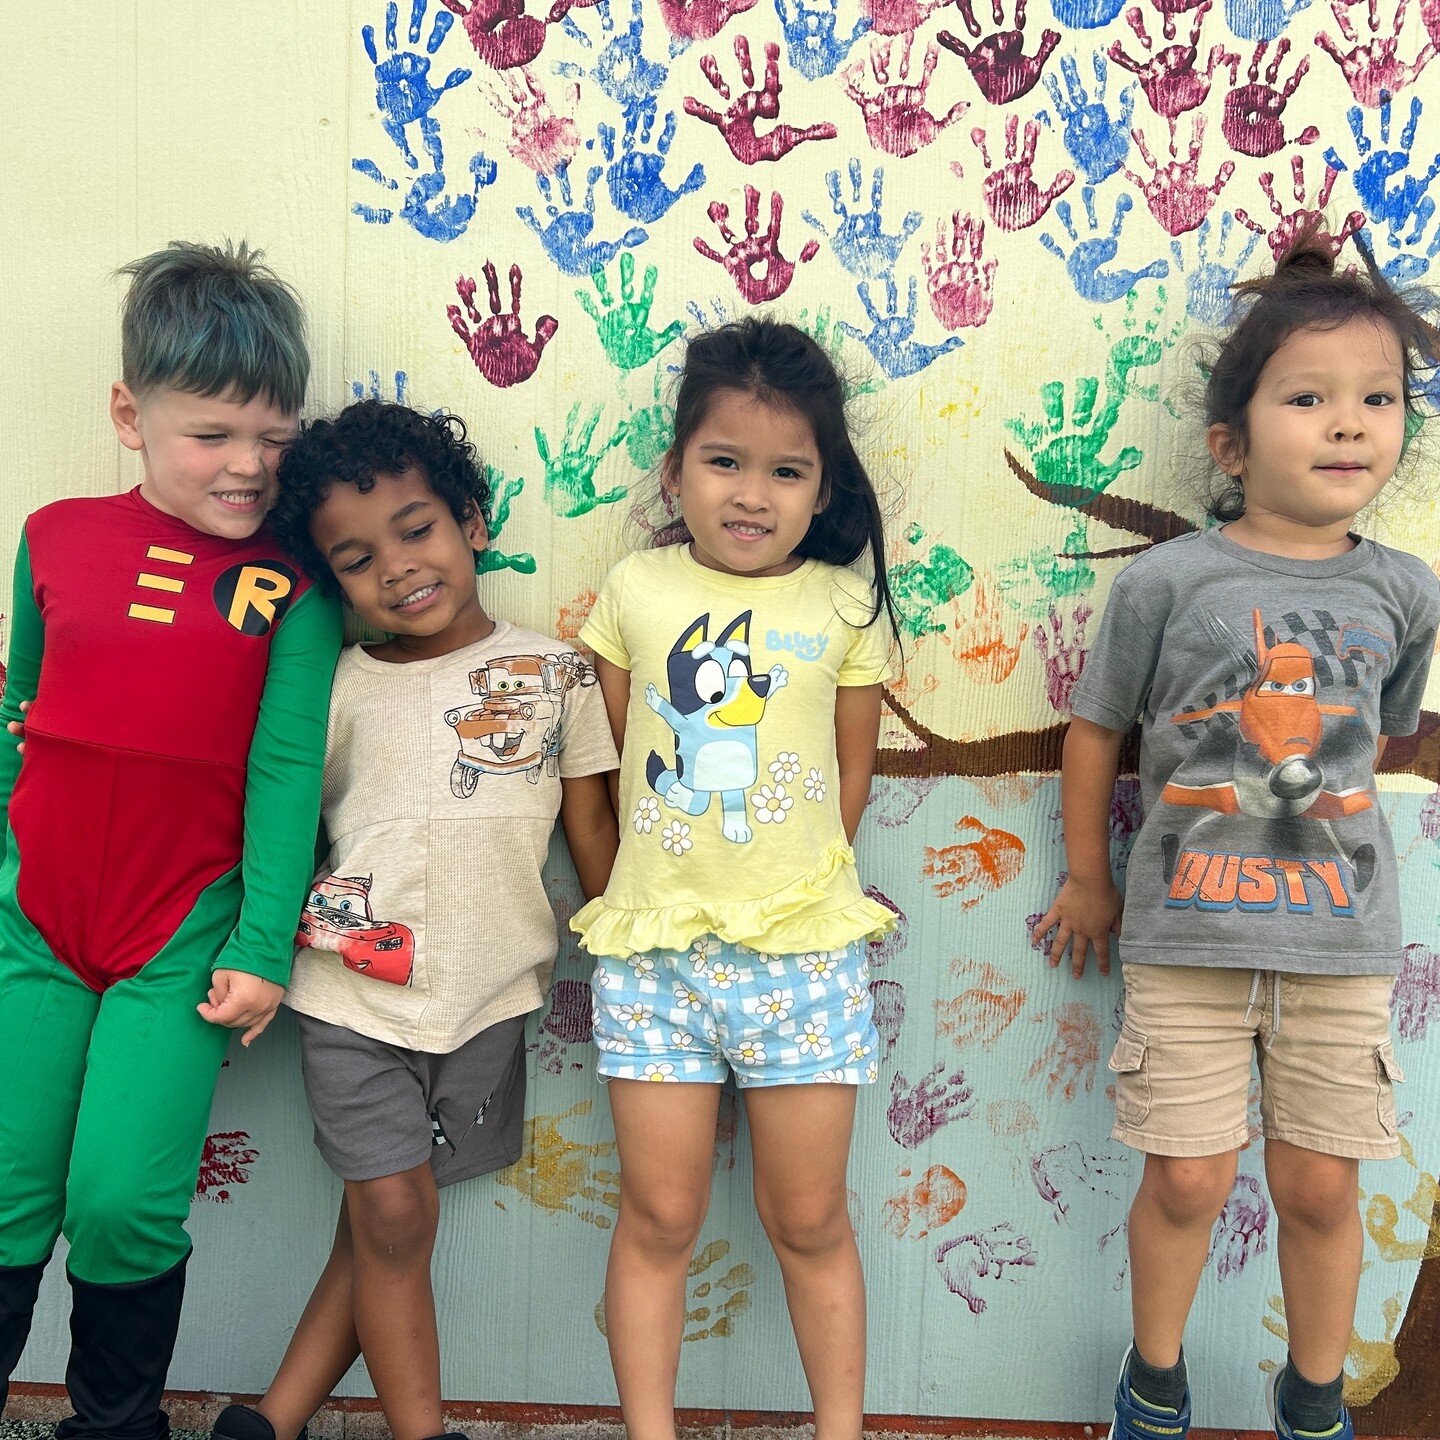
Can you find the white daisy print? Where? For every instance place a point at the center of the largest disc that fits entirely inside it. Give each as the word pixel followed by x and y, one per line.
pixel 771 805
pixel 750 1052
pixel 616 1043
pixel 675 837
pixel 830 1077
pixel 859 1050
pixel 774 1006
pixel 681 1039
pixel 871 1071
pixel 818 966
pixel 785 767
pixel 814 785
pixel 724 975
pixel 659 1070
pixel 813 1039
pixel 642 965
pixel 634 1015
pixel 855 998
pixel 604 980
pixel 686 998
pixel 647 815
pixel 708 1032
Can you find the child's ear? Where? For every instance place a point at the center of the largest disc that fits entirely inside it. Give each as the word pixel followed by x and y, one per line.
pixel 670 473
pixel 124 415
pixel 476 532
pixel 1225 449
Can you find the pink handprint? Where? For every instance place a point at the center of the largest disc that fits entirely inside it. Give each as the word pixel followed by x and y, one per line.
pixel 998 63
pixel 688 20
pixel 1012 198
pixel 1239 1233
pixel 1172 80
pixel 903 17
pixel 737 124
pixel 754 262
pixel 959 278
pixel 1430 18
pixel 1173 192
pixel 985 1255
pixel 1289 226
pixel 895 116
pixel 1062 647
pixel 1416 999
pixel 541 139
pixel 1253 116
pixel 501 350
pixel 1373 69
pixel 917 1112
pixel 503 35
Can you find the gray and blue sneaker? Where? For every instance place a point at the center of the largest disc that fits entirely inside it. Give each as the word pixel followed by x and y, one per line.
pixel 1342 1429
pixel 1137 1419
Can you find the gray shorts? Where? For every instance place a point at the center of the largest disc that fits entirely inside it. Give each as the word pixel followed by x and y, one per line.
pixel 380 1109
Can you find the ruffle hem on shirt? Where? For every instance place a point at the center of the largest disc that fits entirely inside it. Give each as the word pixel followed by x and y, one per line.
pixel 789 922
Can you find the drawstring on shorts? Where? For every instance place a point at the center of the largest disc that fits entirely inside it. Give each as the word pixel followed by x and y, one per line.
pixel 1254 1001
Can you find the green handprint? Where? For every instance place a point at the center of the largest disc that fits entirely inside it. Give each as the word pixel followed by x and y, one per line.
pixel 1065 453
pixel 624 328
pixel 920 587
pixel 570 475
pixel 1058 574
pixel 828 333
pixel 651 430
pixel 497 513
pixel 1139 344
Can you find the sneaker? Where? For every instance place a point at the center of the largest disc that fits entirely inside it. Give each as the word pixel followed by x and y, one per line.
pixel 1135 1420
pixel 243 1422
pixel 1343 1429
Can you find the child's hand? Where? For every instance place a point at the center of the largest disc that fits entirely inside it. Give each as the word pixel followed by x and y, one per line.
pixel 17 727
pixel 1085 913
pixel 239 1000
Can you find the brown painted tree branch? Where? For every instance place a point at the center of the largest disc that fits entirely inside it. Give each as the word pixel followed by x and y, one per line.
pixel 1119 512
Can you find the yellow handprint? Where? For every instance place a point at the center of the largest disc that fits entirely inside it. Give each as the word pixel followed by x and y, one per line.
pixel 561 1175
pixel 702 1318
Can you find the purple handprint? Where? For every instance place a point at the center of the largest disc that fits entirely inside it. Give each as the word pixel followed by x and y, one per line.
pixel 1097 141
pixel 569 1016
pixel 1061 1171
pixel 566 233
pixel 1372 68
pixel 998 63
pixel 985 1255
pixel 860 242
pixel 1012 198
pixel 917 1112
pixel 889 1004
pixel 1289 225
pixel 689 20
pixel 541 138
pixel 1239 1233
pixel 895 116
pixel 1416 998
pixel 880 952
pixel 1252 119
pixel 1172 79
pixel 888 340
pixel 501 32
pixel 1062 647
pixel 1173 192
pixel 959 279
pixel 498 345
pixel 634 180
pixel 1085 264
pixel 754 261
pixel 898 17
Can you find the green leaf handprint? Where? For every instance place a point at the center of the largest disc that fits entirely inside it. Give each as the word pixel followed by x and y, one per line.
pixel 1065 449
pixel 570 475
pixel 497 513
pixel 624 327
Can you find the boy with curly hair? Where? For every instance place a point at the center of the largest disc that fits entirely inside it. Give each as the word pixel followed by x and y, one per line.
pixel 428 937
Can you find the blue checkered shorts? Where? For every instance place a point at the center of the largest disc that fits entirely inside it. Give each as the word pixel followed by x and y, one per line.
pixel 772 1019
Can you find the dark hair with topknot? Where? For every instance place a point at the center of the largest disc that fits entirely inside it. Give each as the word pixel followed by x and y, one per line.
pixel 1306 291
pixel 366 440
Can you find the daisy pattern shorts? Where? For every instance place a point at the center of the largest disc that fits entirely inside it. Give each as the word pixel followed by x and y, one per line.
pixel 772 1019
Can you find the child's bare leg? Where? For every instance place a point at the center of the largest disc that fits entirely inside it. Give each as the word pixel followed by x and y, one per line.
pixel 323 1347
pixel 1317 1200
pixel 666 1135
pixel 801 1140
pixel 1174 1212
pixel 392 1229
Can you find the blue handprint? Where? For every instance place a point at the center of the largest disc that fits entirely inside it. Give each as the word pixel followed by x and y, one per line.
pixel 1098 143
pixel 1085 14
pixel 1207 285
pixel 1378 165
pixel 621 69
pixel 634 180
pixel 1084 263
pixel 375 391
pixel 426 207
pixel 566 233
pixel 1261 19
pixel 888 339
pixel 1412 262
pixel 403 90
pixel 860 242
pixel 812 42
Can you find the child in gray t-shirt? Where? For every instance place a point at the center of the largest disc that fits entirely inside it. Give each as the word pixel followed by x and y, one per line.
pixel 1267 662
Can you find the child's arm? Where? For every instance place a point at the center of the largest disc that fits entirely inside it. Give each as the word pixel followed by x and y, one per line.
pixel 591 833
pixel 615 687
pixel 22 678
pixel 1087 909
pixel 857 737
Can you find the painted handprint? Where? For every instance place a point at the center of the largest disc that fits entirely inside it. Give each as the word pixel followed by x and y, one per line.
pixel 1209 279
pixel 997 1253
pixel 1307 215
pixel 997 62
pixel 935 1199
pixel 1139 344
pixel 624 325
pixel 689 20
pixel 959 278
pixel 1086 263
pixel 1012 198
pixel 562 1175
pixel 541 138
pixel 621 70
pixel 1172 78
pixel 1376 166
pixel 982 1012
pixel 1085 14
pixel 1065 449
pixel 224 1165
pixel 1261 19
pixel 1239 1234
pixel 503 493
pixel 498 344
pixel 1416 999
pixel 812 35
pixel 987 642
pixel 404 93
pixel 372 389
pixel 427 208
pixel 889 337
pixel 566 233
pixel 715 1294
pixel 650 429
pixel 859 241
pixel 917 1111
pixel 1173 191
pixel 1064 1173
pixel 753 261
pixel 895 116
pixel 635 179
pixel 737 124
pixel 983 862
pixel 1069 1061
pixel 1372 67
pixel 567 1022
pixel 1098 141
pixel 922 587
pixel 1253 116
pixel 502 34
pixel 890 946
pixel 570 472
pixel 888 1000
pixel 1062 648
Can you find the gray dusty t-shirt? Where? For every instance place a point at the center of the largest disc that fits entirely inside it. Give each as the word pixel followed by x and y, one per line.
pixel 1262 684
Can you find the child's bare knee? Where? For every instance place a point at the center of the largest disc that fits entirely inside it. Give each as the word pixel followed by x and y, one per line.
pixel 805 1226
pixel 393 1218
pixel 1188 1189
pixel 668 1223
pixel 1319 1193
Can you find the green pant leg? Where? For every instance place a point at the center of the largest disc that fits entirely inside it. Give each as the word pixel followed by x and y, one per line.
pixel 46 1016
pixel 145 1109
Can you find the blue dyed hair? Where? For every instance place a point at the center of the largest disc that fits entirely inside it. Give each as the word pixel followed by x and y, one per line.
pixel 212 320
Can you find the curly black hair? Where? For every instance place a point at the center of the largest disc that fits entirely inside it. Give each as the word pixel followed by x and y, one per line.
pixel 370 438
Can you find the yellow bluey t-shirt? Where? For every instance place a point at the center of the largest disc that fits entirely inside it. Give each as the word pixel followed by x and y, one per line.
pixel 729 793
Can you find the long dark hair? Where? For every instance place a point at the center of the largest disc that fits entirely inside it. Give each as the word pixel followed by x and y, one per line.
pixel 1306 291
pixel 779 364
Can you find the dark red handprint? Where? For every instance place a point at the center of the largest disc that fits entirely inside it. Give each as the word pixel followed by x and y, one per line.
pixel 224 1164
pixel 903 17
pixel 541 138
pixel 1289 226
pixel 1253 116
pixel 1001 68
pixel 1171 79
pixel 1173 191
pixel 501 32
pixel 1169 9
pixel 689 20
pixel 895 116
pixel 1012 198
pixel 737 124
pixel 754 261
pixel 498 345
pixel 1372 68
pixel 959 278
pixel 1430 18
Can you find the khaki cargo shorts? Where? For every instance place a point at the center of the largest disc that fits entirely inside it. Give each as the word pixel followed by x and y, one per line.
pixel 1182 1063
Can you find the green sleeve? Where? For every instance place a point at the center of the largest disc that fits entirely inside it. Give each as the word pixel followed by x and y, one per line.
pixel 22 676
pixel 282 789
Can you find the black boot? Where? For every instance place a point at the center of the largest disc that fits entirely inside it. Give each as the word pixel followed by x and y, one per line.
pixel 244 1422
pixel 18 1287
pixel 121 1341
